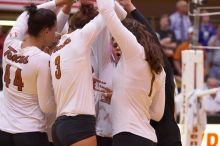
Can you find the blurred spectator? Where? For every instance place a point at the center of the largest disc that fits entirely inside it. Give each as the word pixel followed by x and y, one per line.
pixel 2 39
pixel 206 30
pixel 167 38
pixel 212 102
pixel 214 56
pixel 180 21
pixel 185 46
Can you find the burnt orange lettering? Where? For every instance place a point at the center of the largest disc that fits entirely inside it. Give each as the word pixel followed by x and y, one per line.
pixel 18 80
pixel 67 41
pixel 12 49
pixel 18 58
pixel 58 71
pixel 7 79
pixel 7 52
pixel 25 61
pixel 15 57
pixel 211 136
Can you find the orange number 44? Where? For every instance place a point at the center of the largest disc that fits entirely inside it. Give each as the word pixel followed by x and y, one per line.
pixel 17 80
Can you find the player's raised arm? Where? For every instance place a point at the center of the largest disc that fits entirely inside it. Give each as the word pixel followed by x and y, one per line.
pixel 121 34
pixel 63 15
pixel 100 46
pixel 20 27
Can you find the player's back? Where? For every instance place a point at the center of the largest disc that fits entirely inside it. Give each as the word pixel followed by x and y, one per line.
pixel 72 76
pixel 20 110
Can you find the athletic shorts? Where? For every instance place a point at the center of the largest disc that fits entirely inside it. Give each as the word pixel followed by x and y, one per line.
pixel 129 139
pixel 68 130
pixel 104 141
pixel 178 143
pixel 24 139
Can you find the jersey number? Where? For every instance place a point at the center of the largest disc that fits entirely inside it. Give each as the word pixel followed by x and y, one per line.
pixel 58 71
pixel 17 80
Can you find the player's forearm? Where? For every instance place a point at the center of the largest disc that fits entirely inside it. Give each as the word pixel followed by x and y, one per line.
pixel 121 13
pixel 126 40
pixel 66 8
pixel 48 5
pixel 129 8
pixel 91 30
pixel 19 29
pixel 61 2
pixel 62 17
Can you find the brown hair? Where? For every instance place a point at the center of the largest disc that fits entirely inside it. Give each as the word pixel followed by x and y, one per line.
pixel 39 19
pixel 86 12
pixel 151 46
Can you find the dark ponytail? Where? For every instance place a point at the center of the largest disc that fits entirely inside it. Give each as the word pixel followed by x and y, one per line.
pixel 86 12
pixel 39 19
pixel 32 9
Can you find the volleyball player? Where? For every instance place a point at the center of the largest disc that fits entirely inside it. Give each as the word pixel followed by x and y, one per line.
pixel 167 130
pixel 103 123
pixel 62 18
pixel 139 81
pixel 27 81
pixel 72 80
pixel 106 55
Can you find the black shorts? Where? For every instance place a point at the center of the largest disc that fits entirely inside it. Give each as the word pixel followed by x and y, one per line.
pixel 178 143
pixel 129 139
pixel 24 139
pixel 104 141
pixel 68 130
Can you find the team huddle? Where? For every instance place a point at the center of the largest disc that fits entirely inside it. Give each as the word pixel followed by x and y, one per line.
pixel 101 74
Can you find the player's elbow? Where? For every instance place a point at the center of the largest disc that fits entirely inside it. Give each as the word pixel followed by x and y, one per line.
pixel 156 115
pixel 159 117
pixel 48 107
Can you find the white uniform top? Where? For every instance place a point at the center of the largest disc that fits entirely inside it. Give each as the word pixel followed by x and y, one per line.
pixel 131 107
pixel 27 82
pixel 103 123
pixel 104 69
pixel 72 72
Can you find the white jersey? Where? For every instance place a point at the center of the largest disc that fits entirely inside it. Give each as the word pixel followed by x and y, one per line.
pixel 104 69
pixel 131 107
pixel 103 123
pixel 27 82
pixel 72 72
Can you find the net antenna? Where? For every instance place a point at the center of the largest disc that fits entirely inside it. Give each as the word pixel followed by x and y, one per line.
pixel 193 117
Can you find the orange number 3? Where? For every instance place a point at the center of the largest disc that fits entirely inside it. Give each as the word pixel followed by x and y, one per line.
pixel 17 80
pixel 58 71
